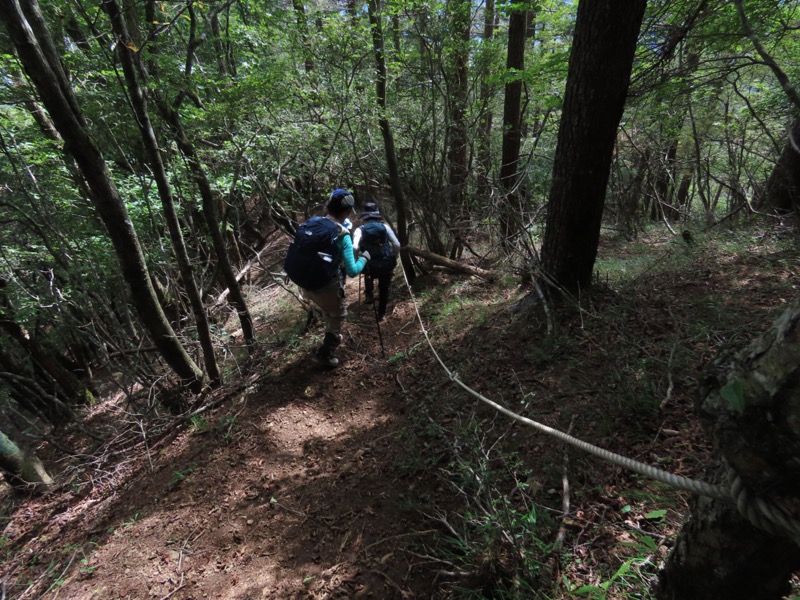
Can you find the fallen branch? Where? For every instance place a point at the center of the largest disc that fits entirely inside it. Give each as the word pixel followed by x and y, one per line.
pixel 449 263
pixel 253 261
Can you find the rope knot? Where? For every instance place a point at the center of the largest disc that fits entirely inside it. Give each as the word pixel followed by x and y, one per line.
pixel 766 514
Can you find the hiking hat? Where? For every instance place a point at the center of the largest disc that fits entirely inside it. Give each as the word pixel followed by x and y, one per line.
pixel 341 200
pixel 371 211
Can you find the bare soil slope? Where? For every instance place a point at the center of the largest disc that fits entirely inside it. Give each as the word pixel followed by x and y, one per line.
pixel 303 482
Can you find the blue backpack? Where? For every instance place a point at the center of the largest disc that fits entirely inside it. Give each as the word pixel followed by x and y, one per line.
pixel 375 240
pixel 313 257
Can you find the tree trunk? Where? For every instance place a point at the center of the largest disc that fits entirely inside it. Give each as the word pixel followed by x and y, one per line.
pixel 67 385
pixel 485 128
pixel 30 395
pixel 172 117
pixel 783 186
pixel 32 40
pixel 450 264
pixel 22 468
pixel 212 221
pixel 665 174
pixel 388 138
pixel 302 28
pixel 509 215
pixel 750 407
pixel 130 67
pixel 458 215
pixel 600 64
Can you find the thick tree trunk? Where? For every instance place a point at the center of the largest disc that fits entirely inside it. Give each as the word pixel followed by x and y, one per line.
pixel 783 186
pixel 388 138
pixel 750 407
pixel 24 469
pixel 41 62
pixel 600 64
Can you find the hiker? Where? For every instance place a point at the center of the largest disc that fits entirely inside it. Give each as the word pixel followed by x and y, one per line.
pixel 377 239
pixel 317 261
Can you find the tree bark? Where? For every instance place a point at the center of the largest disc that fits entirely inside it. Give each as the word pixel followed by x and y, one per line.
pixel 750 407
pixel 509 216
pixel 23 468
pixel 450 264
pixel 485 128
pixel 131 66
pixel 388 138
pixel 599 71
pixel 783 185
pixel 460 23
pixel 172 117
pixel 32 40
pixel 212 222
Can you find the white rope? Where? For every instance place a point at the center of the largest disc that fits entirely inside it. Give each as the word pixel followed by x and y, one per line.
pixel 764 515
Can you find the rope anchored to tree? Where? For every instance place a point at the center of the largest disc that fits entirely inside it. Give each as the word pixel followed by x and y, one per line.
pixel 763 514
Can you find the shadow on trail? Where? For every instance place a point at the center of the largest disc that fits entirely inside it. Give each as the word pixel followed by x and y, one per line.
pixel 301 485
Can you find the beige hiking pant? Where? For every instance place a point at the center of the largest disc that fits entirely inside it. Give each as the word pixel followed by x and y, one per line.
pixel 330 300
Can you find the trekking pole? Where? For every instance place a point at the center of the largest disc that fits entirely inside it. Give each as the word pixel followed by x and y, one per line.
pixel 378 323
pixel 359 288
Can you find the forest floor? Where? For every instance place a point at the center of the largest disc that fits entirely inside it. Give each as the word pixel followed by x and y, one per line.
pixel 382 479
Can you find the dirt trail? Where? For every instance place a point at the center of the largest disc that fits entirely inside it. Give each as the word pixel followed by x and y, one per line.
pixel 311 483
pixel 291 490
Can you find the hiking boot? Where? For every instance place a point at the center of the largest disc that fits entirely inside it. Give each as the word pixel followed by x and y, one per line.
pixel 326 358
pixel 325 355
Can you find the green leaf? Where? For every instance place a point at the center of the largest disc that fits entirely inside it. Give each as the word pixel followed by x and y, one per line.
pixel 733 392
pixel 587 589
pixel 648 542
pixel 655 514
pixel 626 566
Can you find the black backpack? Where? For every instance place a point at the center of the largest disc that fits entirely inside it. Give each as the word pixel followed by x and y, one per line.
pixel 375 240
pixel 313 257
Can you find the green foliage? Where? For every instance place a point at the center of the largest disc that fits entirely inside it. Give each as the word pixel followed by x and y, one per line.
pixel 199 424
pixel 499 540
pixel 5 547
pixel 397 357
pixel 132 521
pixel 733 392
pixel 181 475
pixel 630 580
pixel 225 426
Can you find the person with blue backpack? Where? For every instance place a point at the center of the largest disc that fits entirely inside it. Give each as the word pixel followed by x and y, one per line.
pixel 319 259
pixel 377 240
